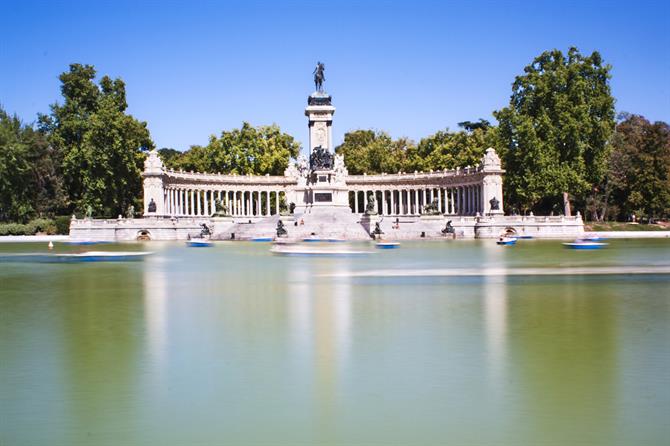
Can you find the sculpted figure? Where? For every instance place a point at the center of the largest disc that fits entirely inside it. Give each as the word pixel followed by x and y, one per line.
pixel 371 207
pixel 281 230
pixel 320 159
pixel 220 209
pixel 495 204
pixel 319 76
pixel 130 213
pixel 431 208
pixel 152 206
pixel 89 211
pixel 205 231
pixel 449 229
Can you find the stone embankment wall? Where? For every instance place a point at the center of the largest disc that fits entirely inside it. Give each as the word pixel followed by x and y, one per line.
pixel 393 228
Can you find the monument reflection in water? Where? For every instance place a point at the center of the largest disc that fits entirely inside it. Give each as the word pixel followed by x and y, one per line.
pixel 190 347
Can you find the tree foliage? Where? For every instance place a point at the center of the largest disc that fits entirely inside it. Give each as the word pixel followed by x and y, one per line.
pixel 247 150
pixel 99 144
pixel 30 184
pixel 556 129
pixel 639 168
pixel 369 151
pixel 449 150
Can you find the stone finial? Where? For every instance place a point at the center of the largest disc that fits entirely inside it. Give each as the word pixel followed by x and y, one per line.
pixel 153 163
pixel 491 160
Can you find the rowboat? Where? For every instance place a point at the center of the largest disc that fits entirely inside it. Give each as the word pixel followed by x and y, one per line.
pixel 199 244
pixel 506 241
pixel 387 245
pixel 86 242
pixel 585 244
pixel 261 239
pixel 89 256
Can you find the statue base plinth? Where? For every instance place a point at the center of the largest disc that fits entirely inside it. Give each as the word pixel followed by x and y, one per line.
pixel 369 222
pixel 220 224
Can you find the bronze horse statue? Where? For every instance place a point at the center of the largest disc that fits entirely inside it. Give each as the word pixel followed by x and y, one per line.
pixel 319 76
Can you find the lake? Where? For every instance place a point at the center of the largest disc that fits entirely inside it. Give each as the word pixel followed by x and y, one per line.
pixel 234 345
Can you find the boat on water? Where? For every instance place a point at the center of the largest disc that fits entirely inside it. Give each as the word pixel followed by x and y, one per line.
pixel 81 257
pixel 199 243
pixel 86 242
pixel 387 245
pixel 261 239
pixel 585 244
pixel 315 250
pixel 506 241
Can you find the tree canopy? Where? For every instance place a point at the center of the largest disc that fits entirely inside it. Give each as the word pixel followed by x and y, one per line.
pixel 30 183
pixel 99 144
pixel 639 169
pixel 449 150
pixel 247 150
pixel 370 151
pixel 556 129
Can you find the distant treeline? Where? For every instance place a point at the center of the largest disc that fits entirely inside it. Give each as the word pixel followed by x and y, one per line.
pixel 559 134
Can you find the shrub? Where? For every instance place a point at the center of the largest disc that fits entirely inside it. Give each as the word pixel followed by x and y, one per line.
pixel 43 225
pixel 15 229
pixel 62 223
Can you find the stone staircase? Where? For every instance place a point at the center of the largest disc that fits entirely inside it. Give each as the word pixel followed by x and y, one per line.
pixel 322 224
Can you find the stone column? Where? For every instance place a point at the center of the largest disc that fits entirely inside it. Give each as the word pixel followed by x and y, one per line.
pixel 440 208
pixel 152 182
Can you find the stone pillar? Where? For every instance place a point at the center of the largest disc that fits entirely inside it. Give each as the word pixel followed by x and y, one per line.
pixel 153 175
pixel 491 183
pixel 319 112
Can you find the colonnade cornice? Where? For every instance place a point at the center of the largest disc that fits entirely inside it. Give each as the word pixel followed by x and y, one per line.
pixel 201 180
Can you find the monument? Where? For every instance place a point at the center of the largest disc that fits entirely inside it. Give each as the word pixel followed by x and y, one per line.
pixel 322 184
pixel 317 196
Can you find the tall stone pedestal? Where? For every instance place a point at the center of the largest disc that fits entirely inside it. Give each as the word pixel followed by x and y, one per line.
pixel 221 224
pixel 369 223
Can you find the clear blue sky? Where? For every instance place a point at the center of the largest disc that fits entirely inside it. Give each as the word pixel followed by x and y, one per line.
pixel 411 68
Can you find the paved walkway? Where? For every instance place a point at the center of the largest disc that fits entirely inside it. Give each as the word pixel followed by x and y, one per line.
pixel 33 238
pixel 632 234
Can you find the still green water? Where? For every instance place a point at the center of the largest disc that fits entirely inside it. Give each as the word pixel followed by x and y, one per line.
pixel 234 346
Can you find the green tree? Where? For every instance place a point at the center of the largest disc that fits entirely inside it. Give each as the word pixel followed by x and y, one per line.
pixel 449 150
pixel 247 150
pixel 170 157
pixel 99 144
pixel 369 151
pixel 556 130
pixel 30 183
pixel 639 168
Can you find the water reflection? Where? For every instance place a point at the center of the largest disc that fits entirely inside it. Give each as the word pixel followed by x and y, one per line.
pixel 155 285
pixel 495 316
pixel 320 325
